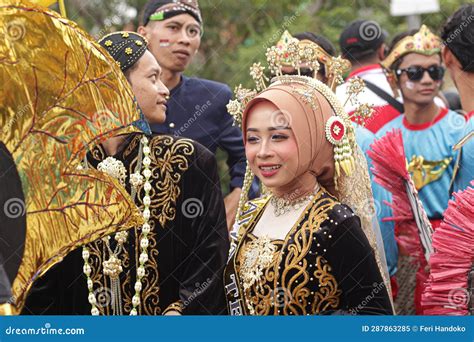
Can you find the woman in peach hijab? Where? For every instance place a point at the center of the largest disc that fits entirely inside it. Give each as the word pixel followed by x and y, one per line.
pixel 299 250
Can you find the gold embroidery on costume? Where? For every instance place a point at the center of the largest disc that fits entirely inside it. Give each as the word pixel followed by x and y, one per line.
pixel 98 153
pixel 169 160
pixel 256 256
pixel 328 297
pixel 177 306
pixel 126 287
pixel 425 172
pixel 150 293
pixel 283 276
pixel 295 274
pixel 97 254
pixel 134 143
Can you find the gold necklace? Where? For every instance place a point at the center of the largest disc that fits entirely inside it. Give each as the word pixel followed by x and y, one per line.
pixel 283 205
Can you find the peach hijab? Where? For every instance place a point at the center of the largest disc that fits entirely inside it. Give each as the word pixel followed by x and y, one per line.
pixel 308 112
pixel 309 107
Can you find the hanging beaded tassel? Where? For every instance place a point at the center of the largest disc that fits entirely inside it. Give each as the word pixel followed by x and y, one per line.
pixel 336 134
pixel 90 285
pixel 244 195
pixel 112 266
pixel 145 228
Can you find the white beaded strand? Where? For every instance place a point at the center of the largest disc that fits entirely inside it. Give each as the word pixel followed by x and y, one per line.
pixel 90 285
pixel 145 228
pixel 122 236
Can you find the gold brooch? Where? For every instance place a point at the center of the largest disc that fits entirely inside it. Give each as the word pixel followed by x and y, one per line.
pixel 257 256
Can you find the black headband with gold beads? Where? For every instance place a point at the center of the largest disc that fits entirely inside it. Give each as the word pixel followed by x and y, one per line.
pixel 125 47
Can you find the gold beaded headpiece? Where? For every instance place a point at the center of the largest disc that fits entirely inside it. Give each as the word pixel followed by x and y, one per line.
pixel 423 42
pixel 290 51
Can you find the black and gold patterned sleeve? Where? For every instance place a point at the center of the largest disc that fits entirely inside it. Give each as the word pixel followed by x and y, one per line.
pixel 353 262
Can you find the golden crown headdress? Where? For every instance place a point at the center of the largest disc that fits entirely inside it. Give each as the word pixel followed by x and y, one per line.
pixel 290 51
pixel 295 53
pixel 423 42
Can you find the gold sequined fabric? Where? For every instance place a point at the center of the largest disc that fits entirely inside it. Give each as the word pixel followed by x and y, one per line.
pixel 61 93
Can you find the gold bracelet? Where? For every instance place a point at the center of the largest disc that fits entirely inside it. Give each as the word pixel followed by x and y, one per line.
pixel 6 309
pixel 176 306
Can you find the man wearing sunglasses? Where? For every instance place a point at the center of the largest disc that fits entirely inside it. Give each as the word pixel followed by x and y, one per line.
pixel 197 107
pixel 429 131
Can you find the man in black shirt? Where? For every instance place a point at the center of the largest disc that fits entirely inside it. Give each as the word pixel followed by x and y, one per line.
pixel 197 107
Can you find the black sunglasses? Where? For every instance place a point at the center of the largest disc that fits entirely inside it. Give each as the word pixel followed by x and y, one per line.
pixel 415 73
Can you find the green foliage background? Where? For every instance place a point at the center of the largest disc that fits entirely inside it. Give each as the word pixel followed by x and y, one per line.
pixel 237 33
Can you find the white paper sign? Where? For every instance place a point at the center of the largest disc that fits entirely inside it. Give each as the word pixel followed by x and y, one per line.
pixel 410 7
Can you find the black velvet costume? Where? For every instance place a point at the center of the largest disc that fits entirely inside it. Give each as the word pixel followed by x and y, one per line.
pixel 12 223
pixel 188 243
pixel 325 265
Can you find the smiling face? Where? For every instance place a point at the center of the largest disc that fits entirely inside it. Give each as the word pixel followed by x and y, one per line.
pixel 173 41
pixel 148 88
pixel 423 91
pixel 272 151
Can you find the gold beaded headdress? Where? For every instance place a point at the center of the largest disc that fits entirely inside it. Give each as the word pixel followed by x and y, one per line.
pixel 290 51
pixel 423 42
pixel 351 177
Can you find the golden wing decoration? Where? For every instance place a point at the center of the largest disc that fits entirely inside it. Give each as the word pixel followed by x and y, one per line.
pixel 47 3
pixel 61 93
